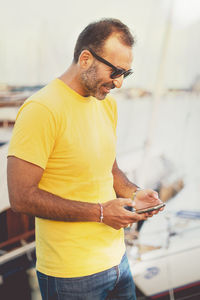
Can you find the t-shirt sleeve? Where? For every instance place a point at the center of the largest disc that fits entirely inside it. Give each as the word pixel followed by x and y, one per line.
pixel 34 134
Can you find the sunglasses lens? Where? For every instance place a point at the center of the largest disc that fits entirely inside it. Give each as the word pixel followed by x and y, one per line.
pixel 117 73
pixel 127 73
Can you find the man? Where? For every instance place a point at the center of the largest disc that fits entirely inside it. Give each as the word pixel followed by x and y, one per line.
pixel 62 169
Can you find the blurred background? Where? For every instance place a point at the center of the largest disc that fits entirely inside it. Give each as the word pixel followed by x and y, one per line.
pixel 158 123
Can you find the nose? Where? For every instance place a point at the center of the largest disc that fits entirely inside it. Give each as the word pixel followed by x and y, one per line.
pixel 118 81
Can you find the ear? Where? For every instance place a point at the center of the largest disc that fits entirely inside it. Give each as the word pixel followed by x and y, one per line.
pixel 85 59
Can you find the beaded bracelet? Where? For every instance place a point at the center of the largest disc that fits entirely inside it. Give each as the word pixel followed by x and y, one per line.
pixel 101 215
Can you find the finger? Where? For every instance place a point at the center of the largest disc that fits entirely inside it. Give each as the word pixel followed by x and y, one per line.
pixel 144 216
pixel 150 214
pixel 138 217
pixel 155 212
pixel 162 208
pixel 153 194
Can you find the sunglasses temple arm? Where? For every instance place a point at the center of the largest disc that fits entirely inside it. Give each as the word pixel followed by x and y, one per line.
pixel 103 60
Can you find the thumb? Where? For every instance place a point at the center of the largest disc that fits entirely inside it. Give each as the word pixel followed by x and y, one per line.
pixel 152 194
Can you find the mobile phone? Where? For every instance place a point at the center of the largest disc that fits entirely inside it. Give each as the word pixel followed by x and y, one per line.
pixel 148 209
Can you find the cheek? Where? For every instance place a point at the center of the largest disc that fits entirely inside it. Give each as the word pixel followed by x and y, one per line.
pixel 103 73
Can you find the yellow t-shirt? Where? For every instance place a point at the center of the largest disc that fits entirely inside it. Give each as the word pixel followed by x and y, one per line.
pixel 73 138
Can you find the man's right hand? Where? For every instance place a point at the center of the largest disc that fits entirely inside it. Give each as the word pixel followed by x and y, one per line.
pixel 117 216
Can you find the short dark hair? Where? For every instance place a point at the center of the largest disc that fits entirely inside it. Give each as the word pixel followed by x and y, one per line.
pixel 96 33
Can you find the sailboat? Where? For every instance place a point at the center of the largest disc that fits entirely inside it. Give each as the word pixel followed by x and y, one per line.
pixel 165 257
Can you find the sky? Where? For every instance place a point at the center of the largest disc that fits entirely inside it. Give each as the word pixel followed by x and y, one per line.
pixel 37 38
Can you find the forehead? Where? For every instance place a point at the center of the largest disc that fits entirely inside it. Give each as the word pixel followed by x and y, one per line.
pixel 117 53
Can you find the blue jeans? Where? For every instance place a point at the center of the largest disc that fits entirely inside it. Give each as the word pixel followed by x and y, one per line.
pixel 115 283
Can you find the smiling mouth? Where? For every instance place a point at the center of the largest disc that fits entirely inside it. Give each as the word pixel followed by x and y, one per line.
pixel 107 88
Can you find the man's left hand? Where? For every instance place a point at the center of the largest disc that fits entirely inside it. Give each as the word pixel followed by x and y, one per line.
pixel 147 198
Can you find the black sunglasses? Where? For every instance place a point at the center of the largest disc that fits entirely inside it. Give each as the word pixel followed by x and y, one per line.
pixel 117 72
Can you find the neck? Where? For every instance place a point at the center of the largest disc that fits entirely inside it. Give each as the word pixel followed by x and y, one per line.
pixel 71 77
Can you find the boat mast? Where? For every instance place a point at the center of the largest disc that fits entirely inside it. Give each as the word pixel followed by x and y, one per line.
pixel 156 96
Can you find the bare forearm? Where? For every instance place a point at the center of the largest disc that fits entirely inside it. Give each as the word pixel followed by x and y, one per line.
pixel 45 205
pixel 26 197
pixel 122 185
